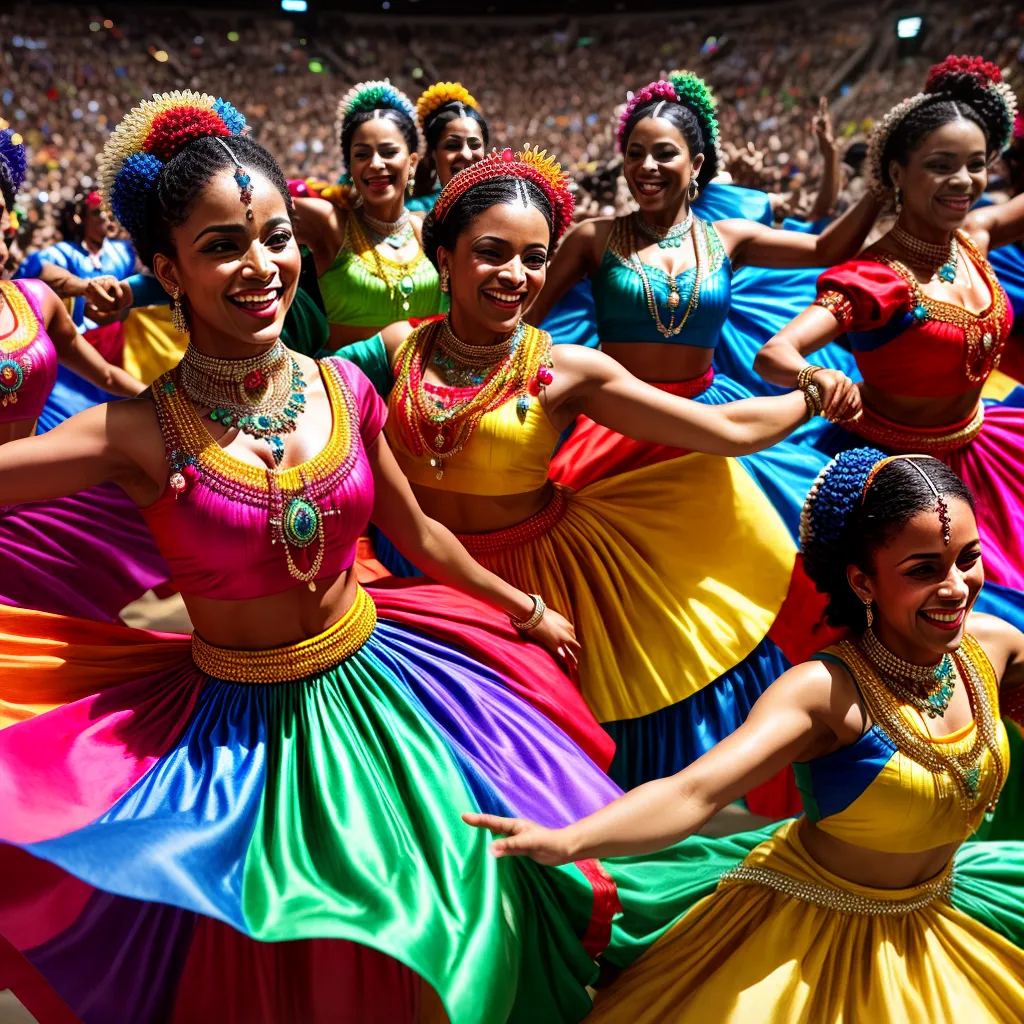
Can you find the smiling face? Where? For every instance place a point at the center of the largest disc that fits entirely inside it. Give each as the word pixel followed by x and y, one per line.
pixel 922 587
pixel 380 162
pixel 461 144
pixel 497 270
pixel 944 176
pixel 657 165
pixel 238 276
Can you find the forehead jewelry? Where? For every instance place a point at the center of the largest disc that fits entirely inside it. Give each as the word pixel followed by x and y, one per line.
pixel 242 180
pixel 940 505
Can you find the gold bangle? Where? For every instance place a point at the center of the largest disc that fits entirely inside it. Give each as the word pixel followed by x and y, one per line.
pixel 526 625
pixel 803 378
pixel 812 396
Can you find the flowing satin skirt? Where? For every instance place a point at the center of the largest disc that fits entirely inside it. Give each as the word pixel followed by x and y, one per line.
pixel 176 846
pixel 748 953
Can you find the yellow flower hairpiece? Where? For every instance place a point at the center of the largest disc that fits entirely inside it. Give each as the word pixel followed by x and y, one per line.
pixel 441 93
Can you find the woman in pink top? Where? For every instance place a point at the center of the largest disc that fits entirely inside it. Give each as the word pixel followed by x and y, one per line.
pixel 261 821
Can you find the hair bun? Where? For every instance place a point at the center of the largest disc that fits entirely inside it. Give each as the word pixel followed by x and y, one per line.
pixel 978 83
pixel 962 72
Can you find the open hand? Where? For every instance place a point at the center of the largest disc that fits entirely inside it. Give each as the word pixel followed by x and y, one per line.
pixel 822 127
pixel 558 635
pixel 522 838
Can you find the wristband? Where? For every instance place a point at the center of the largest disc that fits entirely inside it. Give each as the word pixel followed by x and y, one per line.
pixel 526 625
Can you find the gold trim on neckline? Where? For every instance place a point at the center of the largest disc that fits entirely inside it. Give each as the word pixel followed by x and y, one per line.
pixel 26 323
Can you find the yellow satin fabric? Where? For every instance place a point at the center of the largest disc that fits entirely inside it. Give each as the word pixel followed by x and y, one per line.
pixel 908 809
pixel 672 574
pixel 503 455
pixel 998 385
pixel 151 344
pixel 748 954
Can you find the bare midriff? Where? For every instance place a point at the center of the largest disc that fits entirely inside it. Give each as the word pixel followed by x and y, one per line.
pixel 660 363
pixel 872 867
pixel 475 513
pixel 921 412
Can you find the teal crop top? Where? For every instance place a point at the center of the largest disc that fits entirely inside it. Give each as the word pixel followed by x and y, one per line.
pixel 364 288
pixel 623 312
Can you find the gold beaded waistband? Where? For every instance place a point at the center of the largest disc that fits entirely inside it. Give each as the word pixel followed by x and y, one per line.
pixel 925 440
pixel 296 661
pixel 903 901
pixel 522 533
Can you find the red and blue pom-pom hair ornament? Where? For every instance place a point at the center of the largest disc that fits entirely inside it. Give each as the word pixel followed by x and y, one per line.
pixel 939 86
pixel 151 134
pixel 367 96
pixel 682 87
pixel 528 165
pixel 12 153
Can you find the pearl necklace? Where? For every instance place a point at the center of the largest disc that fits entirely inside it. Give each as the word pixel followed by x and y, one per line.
pixel 394 232
pixel 928 256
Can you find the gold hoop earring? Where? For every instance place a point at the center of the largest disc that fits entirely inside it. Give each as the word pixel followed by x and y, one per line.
pixel 692 190
pixel 868 612
pixel 445 280
pixel 179 321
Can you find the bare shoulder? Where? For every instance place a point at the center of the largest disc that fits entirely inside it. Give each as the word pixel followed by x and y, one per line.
pixel 1000 641
pixel 588 238
pixel 578 359
pixel 824 690
pixel 394 337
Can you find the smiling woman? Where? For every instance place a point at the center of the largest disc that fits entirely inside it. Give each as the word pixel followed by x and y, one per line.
pixel 365 242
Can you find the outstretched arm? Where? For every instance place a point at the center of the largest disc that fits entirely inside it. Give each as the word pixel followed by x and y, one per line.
pixel 757 245
pixel 784 356
pixel 828 189
pixel 795 719
pixel 593 384
pixel 435 550
pixel 578 255
pixel 994 226
pixel 77 354
pixel 319 225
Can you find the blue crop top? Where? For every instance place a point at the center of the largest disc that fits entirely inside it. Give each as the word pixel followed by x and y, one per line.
pixel 623 310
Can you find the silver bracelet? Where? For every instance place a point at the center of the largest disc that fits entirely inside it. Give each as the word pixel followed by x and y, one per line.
pixel 539 608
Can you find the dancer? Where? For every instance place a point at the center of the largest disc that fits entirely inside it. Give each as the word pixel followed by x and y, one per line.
pixel 456 136
pixel 662 277
pixel 366 245
pixel 88 554
pixel 924 312
pixel 675 632
pixel 900 753
pixel 167 854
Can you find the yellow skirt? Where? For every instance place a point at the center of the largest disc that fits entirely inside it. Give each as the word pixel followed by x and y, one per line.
pixel 753 954
pixel 672 575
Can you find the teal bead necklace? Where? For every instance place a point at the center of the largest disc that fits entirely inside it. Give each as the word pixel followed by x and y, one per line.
pixel 672 238
pixel 931 686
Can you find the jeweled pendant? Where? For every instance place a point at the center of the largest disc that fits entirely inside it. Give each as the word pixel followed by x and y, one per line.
pixel 301 522
pixel 312 586
pixel 439 474
pixel 919 313
pixel 971 779
pixel 673 299
pixel 438 440
pixel 522 408
pixel 947 272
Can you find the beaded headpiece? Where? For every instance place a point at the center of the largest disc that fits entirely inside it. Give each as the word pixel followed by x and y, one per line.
pixel 441 93
pixel 912 460
pixel 529 165
pixel 682 87
pixel 937 88
pixel 12 153
pixel 838 489
pixel 377 95
pixel 151 134
pixel 242 180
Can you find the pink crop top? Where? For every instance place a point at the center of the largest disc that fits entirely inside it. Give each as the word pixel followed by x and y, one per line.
pixel 28 360
pixel 907 343
pixel 233 531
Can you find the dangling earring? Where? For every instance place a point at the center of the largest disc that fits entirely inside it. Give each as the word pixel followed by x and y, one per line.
pixel 692 190
pixel 897 199
pixel 445 279
pixel 178 319
pixel 409 187
pixel 868 612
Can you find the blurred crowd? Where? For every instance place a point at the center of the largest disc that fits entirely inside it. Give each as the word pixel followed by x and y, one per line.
pixel 67 75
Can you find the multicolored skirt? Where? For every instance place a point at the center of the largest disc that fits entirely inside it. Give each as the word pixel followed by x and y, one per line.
pixel 777 939
pixel 195 834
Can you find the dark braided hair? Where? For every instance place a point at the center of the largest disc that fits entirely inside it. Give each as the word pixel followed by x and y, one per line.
pixel 473 202
pixel 686 121
pixel 955 96
pixel 182 180
pixel 406 125
pixel 840 526
pixel 434 125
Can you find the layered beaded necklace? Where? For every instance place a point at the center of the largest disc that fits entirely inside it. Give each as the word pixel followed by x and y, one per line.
pixel 926 688
pixel 262 396
pixel 666 238
pixel 464 365
pixel 438 428
pixel 962 765
pixel 396 233
pixel 396 276
pixel 941 260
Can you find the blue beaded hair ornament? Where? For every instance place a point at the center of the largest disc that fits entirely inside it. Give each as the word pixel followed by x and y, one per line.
pixel 12 153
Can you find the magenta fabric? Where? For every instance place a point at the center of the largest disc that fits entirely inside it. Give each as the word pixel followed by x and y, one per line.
pixel 215 535
pixel 37 360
